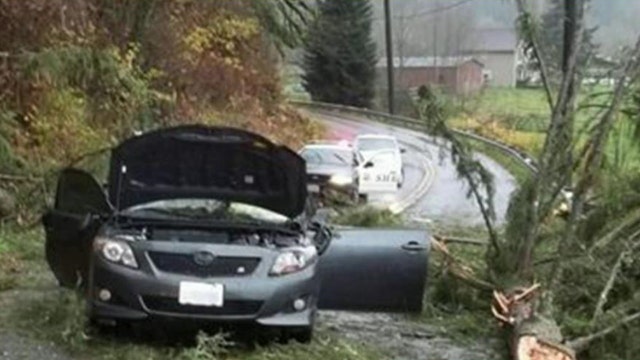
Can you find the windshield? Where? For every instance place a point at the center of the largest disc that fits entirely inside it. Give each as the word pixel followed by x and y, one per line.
pixel 207 209
pixel 375 144
pixel 383 157
pixel 327 156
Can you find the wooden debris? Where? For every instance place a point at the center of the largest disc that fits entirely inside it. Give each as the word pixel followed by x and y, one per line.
pixel 534 337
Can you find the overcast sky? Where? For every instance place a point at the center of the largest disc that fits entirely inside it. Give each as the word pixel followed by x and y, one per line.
pixel 618 21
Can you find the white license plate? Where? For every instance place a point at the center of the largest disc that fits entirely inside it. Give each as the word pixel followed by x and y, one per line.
pixel 201 294
pixel 314 188
pixel 386 177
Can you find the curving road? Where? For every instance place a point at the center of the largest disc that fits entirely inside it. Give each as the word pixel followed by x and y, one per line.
pixel 432 192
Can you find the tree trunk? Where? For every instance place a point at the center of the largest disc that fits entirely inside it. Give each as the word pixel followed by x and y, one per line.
pixel 533 336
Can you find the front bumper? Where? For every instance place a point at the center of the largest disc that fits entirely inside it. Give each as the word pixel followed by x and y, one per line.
pixel 146 293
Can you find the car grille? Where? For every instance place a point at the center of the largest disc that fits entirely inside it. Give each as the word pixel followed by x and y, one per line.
pixel 184 264
pixel 230 307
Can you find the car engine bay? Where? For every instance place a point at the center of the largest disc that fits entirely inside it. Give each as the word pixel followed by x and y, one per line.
pixel 243 237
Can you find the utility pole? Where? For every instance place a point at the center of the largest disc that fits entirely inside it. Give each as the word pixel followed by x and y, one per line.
pixel 390 62
pixel 435 48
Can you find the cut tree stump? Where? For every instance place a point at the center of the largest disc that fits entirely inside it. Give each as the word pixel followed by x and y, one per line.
pixel 533 336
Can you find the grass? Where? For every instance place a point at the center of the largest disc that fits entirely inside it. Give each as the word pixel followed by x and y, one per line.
pixel 58 316
pixel 514 167
pixel 525 105
pixel 460 310
pixel 519 117
pixel 366 216
pixel 21 254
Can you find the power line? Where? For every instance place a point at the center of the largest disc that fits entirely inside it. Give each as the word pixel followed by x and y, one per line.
pixel 430 11
pixel 438 9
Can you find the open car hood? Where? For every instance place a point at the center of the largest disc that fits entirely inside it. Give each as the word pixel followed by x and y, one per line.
pixel 207 162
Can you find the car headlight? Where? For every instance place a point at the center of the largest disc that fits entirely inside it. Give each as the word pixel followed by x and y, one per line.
pixel 341 179
pixel 115 251
pixel 293 260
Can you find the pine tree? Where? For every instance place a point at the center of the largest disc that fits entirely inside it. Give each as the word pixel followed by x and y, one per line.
pixel 340 55
pixel 552 40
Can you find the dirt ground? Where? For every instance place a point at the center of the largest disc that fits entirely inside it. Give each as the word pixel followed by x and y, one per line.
pixel 397 337
pixel 402 339
pixel 18 346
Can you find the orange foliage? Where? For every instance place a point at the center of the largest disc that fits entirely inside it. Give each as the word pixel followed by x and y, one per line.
pixel 192 58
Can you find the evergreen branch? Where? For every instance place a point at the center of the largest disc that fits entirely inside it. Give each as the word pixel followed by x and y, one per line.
pixel 555 161
pixel 529 32
pixel 615 270
pixel 629 220
pixel 594 158
pixel 467 167
pixel 582 343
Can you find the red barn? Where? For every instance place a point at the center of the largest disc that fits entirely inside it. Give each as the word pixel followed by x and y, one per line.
pixel 457 75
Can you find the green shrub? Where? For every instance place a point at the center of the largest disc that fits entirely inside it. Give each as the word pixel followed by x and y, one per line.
pixel 366 217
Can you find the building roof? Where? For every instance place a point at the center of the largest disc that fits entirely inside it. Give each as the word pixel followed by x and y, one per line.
pixel 428 61
pixel 491 40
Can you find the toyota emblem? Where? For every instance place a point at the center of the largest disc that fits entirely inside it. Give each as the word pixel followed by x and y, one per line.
pixel 203 258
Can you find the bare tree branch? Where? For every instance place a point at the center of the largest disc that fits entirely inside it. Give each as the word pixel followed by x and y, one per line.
pixel 21 178
pixel 459 271
pixel 582 343
pixel 628 221
pixel 615 270
pixel 460 240
pixel 594 158
pixel 531 33
pixel 556 159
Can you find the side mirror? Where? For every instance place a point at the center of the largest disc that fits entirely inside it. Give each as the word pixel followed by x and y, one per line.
pixel 403 150
pixel 322 235
pixel 368 165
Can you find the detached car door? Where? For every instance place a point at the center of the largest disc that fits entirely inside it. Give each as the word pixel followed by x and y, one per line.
pixel 80 205
pixel 374 270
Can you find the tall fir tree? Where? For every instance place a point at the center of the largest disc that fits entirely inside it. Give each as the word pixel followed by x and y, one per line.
pixel 340 55
pixel 552 40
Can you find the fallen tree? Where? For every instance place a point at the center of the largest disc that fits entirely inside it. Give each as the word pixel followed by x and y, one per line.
pixel 530 292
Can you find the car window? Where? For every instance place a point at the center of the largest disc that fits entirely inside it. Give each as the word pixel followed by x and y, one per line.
pixel 207 209
pixel 383 157
pixel 368 144
pixel 327 156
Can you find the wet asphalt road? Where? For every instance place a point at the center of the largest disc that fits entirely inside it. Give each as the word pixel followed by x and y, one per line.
pixel 445 200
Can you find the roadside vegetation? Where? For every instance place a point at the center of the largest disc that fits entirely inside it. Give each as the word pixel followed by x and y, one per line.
pixel 74 82
pixel 560 276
